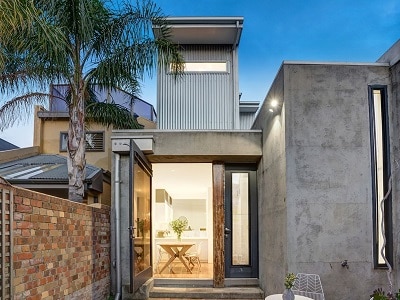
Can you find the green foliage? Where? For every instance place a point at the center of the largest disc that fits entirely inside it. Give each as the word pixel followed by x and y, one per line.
pixel 379 294
pixel 83 43
pixel 178 226
pixel 289 280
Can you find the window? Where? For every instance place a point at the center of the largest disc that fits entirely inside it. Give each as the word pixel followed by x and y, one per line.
pixel 204 67
pixel 94 141
pixel 380 163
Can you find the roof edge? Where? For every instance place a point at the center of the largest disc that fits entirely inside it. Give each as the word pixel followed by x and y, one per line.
pixel 294 62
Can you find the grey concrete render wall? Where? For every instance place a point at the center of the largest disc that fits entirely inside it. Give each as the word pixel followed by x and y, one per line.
pixel 272 193
pixel 392 55
pixel 124 215
pixel 175 146
pixel 328 175
pixel 394 108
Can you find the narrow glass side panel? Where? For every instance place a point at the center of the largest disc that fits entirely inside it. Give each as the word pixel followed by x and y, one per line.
pixel 379 166
pixel 240 219
pixel 141 200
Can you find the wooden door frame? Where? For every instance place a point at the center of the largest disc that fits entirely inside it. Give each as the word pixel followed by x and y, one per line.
pixel 218 175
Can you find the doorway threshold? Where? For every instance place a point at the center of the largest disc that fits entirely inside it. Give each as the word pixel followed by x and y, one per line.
pixel 183 282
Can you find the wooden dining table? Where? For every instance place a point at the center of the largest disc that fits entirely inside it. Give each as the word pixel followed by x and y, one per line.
pixel 176 250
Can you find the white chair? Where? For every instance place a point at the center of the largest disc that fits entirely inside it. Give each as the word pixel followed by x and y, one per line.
pixel 194 257
pixel 308 285
pixel 162 254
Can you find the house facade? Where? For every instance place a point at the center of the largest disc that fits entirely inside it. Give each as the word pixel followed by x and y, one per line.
pixel 298 191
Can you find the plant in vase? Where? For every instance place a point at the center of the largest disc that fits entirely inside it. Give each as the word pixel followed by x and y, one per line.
pixel 143 226
pixel 289 282
pixel 178 226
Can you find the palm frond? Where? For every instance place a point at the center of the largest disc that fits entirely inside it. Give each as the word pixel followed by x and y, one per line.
pixel 19 108
pixel 111 114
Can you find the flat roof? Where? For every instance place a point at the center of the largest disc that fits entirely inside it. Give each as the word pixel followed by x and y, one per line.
pixel 204 30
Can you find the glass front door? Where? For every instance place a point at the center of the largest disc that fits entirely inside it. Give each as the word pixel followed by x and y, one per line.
pixel 140 220
pixel 241 226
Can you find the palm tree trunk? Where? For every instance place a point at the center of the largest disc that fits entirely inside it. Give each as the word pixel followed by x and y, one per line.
pixel 76 147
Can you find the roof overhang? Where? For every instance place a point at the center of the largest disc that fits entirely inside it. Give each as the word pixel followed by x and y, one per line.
pixel 204 30
pixel 249 106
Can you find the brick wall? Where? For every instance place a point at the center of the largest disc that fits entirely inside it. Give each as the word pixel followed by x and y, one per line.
pixel 61 248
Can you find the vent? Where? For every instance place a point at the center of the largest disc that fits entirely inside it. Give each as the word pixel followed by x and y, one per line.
pixel 94 141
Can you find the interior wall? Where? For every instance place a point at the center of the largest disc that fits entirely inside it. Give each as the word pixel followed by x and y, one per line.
pixel 195 210
pixel 188 186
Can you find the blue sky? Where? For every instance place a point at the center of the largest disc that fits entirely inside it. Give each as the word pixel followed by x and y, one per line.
pixel 274 31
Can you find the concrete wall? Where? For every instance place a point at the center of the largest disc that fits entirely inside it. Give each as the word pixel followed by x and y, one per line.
pixel 328 208
pixel 329 188
pixel 196 146
pixel 272 193
pixel 394 108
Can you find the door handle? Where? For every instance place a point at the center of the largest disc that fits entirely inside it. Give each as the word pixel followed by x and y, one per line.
pixel 131 232
pixel 227 232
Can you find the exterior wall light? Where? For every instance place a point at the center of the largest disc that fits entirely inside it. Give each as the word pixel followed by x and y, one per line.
pixel 274 104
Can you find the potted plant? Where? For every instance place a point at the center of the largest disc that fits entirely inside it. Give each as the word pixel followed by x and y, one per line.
pixel 289 282
pixel 178 226
pixel 379 294
pixel 143 226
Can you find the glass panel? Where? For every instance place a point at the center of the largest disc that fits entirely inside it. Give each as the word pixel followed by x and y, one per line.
pixel 240 219
pixel 141 198
pixel 379 166
pixel 204 67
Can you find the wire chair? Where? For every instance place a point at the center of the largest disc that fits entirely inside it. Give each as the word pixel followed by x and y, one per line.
pixel 308 285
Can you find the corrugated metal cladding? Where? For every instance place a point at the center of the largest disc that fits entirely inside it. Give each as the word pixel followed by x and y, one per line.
pixel 246 120
pixel 198 100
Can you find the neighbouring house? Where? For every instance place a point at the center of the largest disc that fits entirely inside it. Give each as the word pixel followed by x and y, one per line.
pixel 51 126
pixel 43 167
pixel 47 173
pixel 4 145
pixel 297 191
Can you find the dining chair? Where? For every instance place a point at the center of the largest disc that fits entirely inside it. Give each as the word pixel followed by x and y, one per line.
pixel 308 285
pixel 161 255
pixel 194 257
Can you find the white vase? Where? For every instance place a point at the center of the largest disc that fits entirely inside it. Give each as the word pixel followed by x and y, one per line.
pixel 288 294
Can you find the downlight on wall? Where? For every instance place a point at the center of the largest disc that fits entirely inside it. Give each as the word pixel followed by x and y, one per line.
pixel 274 105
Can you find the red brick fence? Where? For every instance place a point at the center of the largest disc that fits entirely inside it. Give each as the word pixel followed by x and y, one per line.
pixel 60 249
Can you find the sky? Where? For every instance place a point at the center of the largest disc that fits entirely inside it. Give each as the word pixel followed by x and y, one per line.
pixel 279 30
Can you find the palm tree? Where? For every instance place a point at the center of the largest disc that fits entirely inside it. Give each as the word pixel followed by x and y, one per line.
pixel 85 43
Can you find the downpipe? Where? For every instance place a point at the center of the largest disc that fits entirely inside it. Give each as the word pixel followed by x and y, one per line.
pixel 117 226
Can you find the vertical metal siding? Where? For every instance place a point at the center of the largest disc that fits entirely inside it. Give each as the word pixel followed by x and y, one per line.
pixel 198 100
pixel 246 120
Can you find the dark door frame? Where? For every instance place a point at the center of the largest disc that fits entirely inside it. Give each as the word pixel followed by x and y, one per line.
pixel 250 270
pixel 137 156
